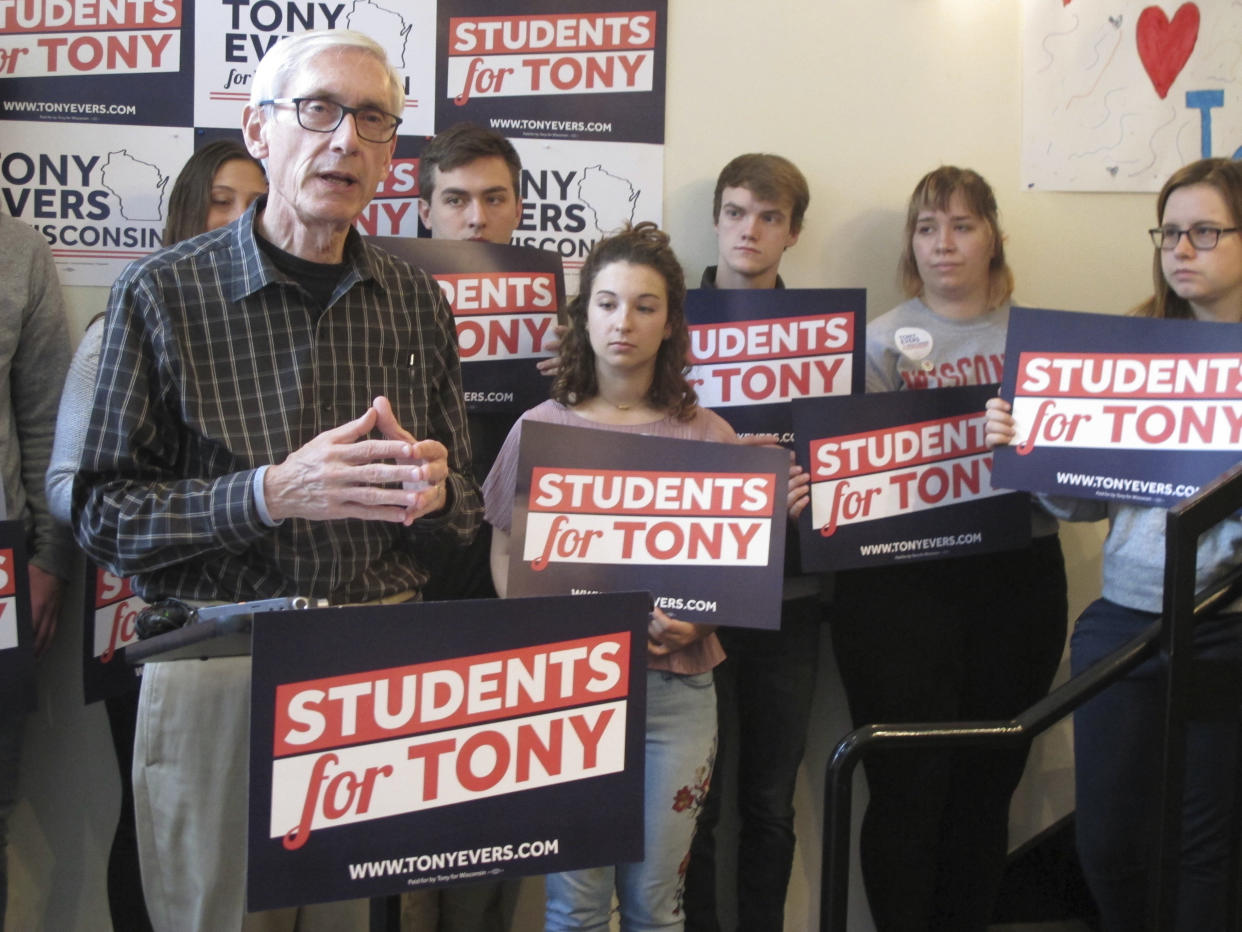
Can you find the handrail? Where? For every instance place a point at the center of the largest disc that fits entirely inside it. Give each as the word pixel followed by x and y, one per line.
pixel 1186 522
pixel 834 891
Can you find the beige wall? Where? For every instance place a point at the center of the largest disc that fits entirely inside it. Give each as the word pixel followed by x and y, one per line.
pixel 865 97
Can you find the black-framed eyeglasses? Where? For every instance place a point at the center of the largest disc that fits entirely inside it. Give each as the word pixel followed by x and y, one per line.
pixel 1201 236
pixel 324 116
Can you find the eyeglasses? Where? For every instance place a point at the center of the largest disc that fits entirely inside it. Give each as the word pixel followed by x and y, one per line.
pixel 1201 236
pixel 324 116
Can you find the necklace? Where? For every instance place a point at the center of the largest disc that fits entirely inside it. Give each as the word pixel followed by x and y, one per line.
pixel 620 405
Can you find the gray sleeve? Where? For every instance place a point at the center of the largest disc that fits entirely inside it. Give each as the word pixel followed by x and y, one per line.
pixel 882 374
pixel 38 374
pixel 72 422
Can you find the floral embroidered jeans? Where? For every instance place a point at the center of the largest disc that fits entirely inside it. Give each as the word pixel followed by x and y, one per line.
pixel 681 747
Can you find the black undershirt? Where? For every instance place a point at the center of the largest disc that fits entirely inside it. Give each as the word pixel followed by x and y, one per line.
pixel 318 278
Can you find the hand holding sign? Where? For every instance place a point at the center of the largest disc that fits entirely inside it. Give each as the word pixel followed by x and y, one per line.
pixel 1148 422
pixel 999 428
pixel 798 495
pixel 667 635
pixel 552 364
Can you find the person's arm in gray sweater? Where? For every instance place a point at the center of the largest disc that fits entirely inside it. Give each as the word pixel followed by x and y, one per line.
pixel 72 421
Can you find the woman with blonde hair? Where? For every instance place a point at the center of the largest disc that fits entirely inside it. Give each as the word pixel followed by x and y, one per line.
pixel 974 637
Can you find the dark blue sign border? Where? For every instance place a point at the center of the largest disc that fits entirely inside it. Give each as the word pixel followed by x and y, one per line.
pixel 1039 330
pixel 1002 522
pixel 292 647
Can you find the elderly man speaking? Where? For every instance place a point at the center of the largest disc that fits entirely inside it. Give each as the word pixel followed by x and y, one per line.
pixel 279 413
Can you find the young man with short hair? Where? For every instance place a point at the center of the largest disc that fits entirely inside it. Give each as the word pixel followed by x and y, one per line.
pixel 757 210
pixel 469 185
pixel 765 685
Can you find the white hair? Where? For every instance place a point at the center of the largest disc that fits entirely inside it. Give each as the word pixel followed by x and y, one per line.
pixel 289 55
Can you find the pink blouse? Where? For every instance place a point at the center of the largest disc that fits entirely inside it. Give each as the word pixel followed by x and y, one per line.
pixel 499 489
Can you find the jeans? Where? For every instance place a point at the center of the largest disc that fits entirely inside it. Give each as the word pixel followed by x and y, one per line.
pixel 763 695
pixel 965 639
pixel 1117 758
pixel 680 745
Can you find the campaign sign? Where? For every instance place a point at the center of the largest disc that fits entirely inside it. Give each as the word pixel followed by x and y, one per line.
pixel 394 209
pixel 587 69
pixel 753 350
pixel 900 476
pixel 109 614
pixel 1147 421
pixel 400 747
pixel 122 62
pixel 234 36
pixel 16 635
pixel 97 194
pixel 700 525
pixel 505 300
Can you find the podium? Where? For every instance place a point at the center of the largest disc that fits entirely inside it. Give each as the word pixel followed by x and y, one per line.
pixel 214 631
pixel 425 744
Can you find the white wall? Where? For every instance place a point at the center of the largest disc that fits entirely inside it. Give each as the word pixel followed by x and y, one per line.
pixel 865 97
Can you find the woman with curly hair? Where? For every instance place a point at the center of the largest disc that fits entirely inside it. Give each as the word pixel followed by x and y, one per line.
pixel 623 364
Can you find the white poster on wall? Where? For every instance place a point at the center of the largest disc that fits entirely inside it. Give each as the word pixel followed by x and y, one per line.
pixel 574 193
pixel 233 37
pixel 98 194
pixel 1116 96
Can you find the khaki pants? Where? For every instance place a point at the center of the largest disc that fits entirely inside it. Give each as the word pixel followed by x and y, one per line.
pixel 191 764
pixel 477 907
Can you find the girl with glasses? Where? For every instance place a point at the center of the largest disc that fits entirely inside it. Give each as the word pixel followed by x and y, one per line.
pixel 1197 271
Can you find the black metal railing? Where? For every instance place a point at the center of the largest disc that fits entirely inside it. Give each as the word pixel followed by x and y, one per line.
pixel 1186 522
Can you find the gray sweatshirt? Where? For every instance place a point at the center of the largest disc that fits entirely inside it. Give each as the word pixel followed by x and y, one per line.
pixel 1134 549
pixel 34 355
pixel 913 347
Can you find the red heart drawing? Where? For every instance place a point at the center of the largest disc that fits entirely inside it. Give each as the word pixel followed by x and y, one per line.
pixel 1165 46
